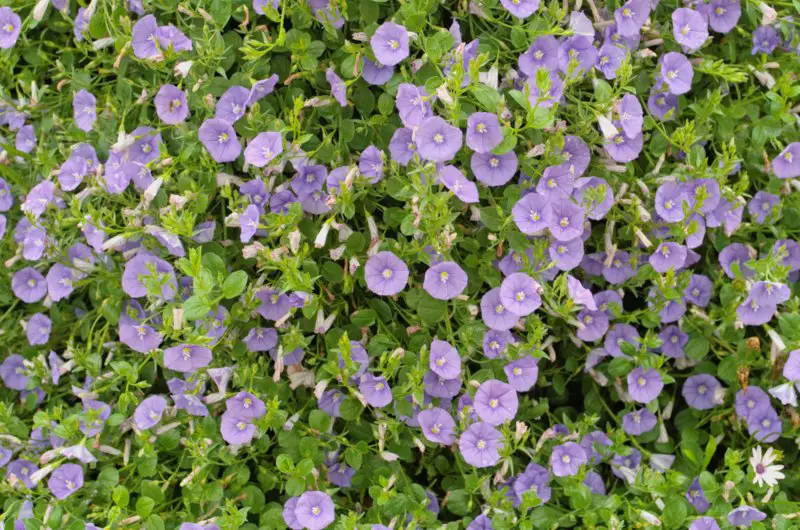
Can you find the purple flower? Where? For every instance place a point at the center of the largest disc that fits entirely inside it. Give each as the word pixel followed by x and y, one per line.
pixel 144 269
pixel 402 146
pixel 723 15
pixel 567 459
pixel 309 179
pixel 22 470
pixel 621 148
pixel 763 205
pixel 673 340
pixel 246 406
pixel 543 53
pixel 437 140
pixel 739 254
pixel 220 140
pixel 480 443
pixel 669 202
pixel 522 373
pixel 13 372
pixel 94 416
pixel 752 313
pixel 376 74
pixel 84 107
pixel 483 132
pixel 764 424
pixel 631 462
pixel 595 444
pixel 6 197
pixel 149 412
pixel 548 95
pixel 454 180
pixel 236 430
pixel 689 28
pixel 662 104
pixel 704 523
pixel 495 342
pixel 676 72
pixel 750 400
pixel 787 164
pixel 438 387
pixel 338 87
pixel 187 358
pixel 576 155
pixel 639 422
pixel 38 330
pixel 697 497
pixel 248 223
pixel 385 274
pixel 437 426
pixel 326 13
pixel 261 339
pixel 579 49
pixel 644 385
pixel 29 285
pixel 413 105
pixel 390 43
pixel 791 370
pixel 668 256
pixel 10 25
pixel 262 89
pixel 171 38
pixel 702 392
pixel 496 402
pixel 232 104
pixel 143 37
pixel 288 514
pixel 630 115
pixel 564 219
pixel 521 8
pixel 566 255
pixel 481 522
pixel 494 170
pixel 519 294
pixel 65 480
pixel 620 269
pixel 557 182
pixel 745 516
pixel 444 360
pixel 137 336
pixel 594 325
pixel 172 107
pixel 314 510
pixel 765 40
pixel 375 390
pixel 530 213
pixel 25 140
pixel 370 164
pixel 609 59
pixel 632 16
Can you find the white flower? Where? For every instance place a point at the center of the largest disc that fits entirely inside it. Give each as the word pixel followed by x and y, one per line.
pixel 763 469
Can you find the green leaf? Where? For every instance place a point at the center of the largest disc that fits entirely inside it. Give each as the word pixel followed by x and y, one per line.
pixel 120 496
pixel 144 506
pixel 363 318
pixel 234 285
pixel 491 218
pixel 487 97
pixel 195 308
pixel 430 310
pixel 221 11
pixel 697 347
pixel 319 420
pixel 675 512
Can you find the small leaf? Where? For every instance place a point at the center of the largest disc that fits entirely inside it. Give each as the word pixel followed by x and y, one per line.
pixel 234 284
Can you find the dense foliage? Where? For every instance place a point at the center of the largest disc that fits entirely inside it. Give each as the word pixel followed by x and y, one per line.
pixel 399 264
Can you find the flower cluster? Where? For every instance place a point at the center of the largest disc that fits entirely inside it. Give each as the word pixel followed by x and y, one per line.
pixel 324 264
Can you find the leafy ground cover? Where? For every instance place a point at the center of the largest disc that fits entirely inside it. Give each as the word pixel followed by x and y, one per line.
pixel 399 264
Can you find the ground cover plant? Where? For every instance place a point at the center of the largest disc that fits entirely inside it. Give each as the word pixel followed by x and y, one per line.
pixel 378 264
